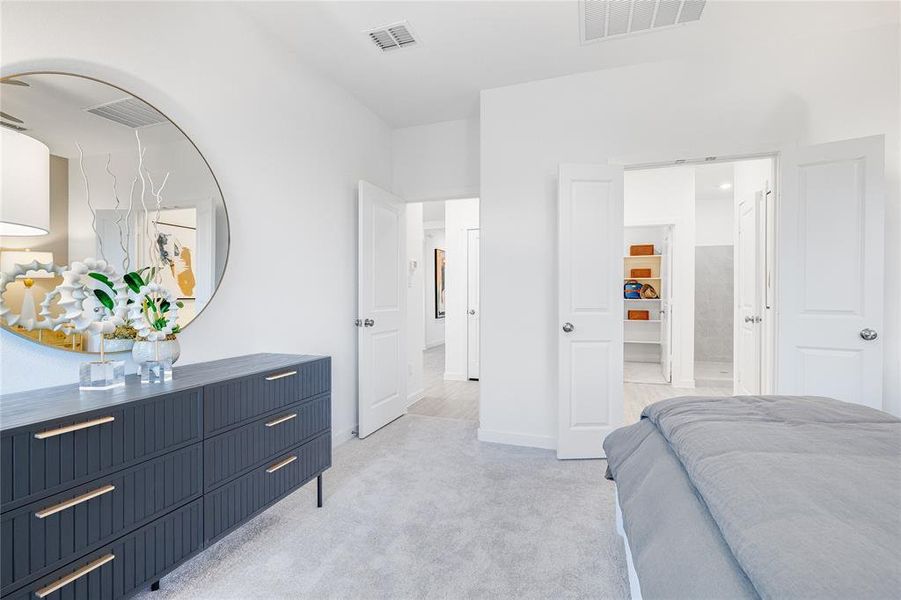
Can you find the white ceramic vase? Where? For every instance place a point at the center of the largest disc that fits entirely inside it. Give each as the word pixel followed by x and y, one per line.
pixel 144 351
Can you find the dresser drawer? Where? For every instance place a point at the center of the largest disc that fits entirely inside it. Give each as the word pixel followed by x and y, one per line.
pixel 131 562
pixel 244 447
pixel 52 532
pixel 234 402
pixel 38 461
pixel 233 503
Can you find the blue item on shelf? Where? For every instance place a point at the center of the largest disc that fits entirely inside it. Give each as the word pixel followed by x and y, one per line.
pixel 632 290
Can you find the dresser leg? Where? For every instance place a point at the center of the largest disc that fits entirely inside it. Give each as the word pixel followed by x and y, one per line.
pixel 155 586
pixel 319 491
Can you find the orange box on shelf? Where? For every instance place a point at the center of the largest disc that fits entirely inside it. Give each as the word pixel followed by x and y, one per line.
pixel 640 273
pixel 641 250
pixel 639 315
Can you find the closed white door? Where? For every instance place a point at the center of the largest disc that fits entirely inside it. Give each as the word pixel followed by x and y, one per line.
pixel 666 321
pixel 381 320
pixel 830 229
pixel 590 308
pixel 748 297
pixel 472 302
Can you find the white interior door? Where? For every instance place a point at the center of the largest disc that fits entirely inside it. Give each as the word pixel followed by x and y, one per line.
pixel 381 320
pixel 666 321
pixel 590 307
pixel 748 297
pixel 830 257
pixel 472 301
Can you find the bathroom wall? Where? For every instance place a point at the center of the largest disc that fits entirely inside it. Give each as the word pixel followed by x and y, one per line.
pixel 713 303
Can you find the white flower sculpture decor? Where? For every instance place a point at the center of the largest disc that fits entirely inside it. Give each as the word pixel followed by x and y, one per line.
pixel 93 310
pixel 153 312
pixel 49 321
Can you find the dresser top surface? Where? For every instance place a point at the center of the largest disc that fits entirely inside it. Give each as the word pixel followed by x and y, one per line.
pixel 35 406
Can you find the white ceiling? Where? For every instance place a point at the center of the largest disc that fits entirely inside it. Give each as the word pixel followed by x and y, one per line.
pixel 468 46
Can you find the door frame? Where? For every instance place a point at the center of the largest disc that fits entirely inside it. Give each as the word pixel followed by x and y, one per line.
pixel 769 327
pixel 469 231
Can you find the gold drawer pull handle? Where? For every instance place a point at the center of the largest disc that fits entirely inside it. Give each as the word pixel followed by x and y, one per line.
pixel 280 464
pixel 92 423
pixel 281 375
pixel 281 420
pixel 46 591
pixel 52 510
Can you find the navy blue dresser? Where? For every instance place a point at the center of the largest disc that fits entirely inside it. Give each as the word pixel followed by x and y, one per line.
pixel 103 493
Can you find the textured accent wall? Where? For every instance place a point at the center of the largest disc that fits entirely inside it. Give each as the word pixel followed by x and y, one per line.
pixel 713 303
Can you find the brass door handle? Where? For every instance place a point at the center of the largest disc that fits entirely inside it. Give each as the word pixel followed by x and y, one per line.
pixel 281 375
pixel 275 422
pixel 282 463
pixel 52 510
pixel 77 574
pixel 68 428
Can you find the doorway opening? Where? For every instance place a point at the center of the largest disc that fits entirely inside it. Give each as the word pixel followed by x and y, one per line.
pixel 444 315
pixel 697 254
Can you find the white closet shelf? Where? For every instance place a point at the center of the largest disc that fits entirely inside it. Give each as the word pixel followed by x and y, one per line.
pixel 641 320
pixel 645 256
pixel 645 278
pixel 641 342
pixel 642 299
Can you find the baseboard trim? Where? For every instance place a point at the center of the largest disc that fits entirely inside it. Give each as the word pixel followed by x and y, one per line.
pixel 455 376
pixel 340 437
pixel 434 345
pixel 517 439
pixel 415 397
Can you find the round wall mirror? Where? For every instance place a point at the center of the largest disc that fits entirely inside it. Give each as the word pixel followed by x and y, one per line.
pixel 101 193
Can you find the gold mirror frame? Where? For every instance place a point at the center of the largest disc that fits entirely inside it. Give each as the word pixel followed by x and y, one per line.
pixel 205 162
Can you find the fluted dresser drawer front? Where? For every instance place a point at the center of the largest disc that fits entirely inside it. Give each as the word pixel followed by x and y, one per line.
pixel 237 450
pixel 38 461
pixel 233 503
pixel 234 402
pixel 131 562
pixel 52 532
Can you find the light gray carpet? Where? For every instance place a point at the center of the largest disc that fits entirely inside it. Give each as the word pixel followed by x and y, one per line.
pixel 421 509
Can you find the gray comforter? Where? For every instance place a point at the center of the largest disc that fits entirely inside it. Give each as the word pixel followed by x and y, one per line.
pixel 789 497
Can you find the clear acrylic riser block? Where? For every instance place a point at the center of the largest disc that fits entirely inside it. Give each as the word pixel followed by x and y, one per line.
pixel 101 375
pixel 155 371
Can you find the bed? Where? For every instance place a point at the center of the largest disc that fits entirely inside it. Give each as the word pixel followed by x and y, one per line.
pixel 760 497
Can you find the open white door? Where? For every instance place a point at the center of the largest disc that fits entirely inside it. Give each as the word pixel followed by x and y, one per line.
pixel 381 350
pixel 472 302
pixel 748 297
pixel 830 258
pixel 590 307
pixel 666 321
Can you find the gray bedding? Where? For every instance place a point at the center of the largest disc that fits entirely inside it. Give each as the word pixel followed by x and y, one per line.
pixel 774 496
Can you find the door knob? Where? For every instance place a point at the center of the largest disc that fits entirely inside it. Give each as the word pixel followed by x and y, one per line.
pixel 368 323
pixel 568 328
pixel 869 334
pixel 749 319
pixel 472 311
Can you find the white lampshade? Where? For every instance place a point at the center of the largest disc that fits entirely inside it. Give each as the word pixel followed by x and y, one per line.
pixel 10 258
pixel 25 190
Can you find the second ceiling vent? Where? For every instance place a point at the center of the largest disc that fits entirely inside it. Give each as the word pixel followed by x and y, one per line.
pixel 604 19
pixel 392 37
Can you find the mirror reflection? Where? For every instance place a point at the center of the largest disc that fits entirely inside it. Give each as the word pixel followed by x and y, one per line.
pixel 91 172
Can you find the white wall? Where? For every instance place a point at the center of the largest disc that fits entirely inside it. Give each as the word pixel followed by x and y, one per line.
pixel 415 301
pixel 288 174
pixel 749 97
pixel 438 161
pixel 661 197
pixel 434 328
pixel 460 215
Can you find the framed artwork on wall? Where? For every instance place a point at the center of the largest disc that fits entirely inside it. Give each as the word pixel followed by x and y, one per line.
pixel 439 283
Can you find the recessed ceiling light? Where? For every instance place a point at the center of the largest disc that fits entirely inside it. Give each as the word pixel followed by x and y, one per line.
pixel 725 186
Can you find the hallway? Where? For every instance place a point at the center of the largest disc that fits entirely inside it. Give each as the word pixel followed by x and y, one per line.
pixel 446 399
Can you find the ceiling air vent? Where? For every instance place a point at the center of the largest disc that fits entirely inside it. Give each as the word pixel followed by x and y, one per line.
pixel 392 37
pixel 130 112
pixel 605 19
